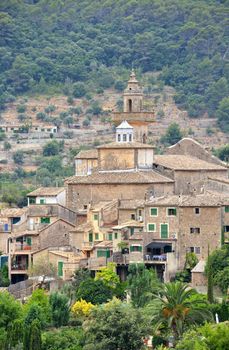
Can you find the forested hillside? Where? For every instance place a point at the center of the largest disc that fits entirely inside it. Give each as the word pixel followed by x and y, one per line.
pixel 73 47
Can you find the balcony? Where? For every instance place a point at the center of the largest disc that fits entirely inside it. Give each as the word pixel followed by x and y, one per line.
pixel 19 268
pixel 157 259
pixel 88 245
pixel 23 247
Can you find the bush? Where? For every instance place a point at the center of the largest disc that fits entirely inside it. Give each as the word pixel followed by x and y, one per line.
pixel 18 157
pixel 51 148
pixel 21 109
pixel 59 309
pixel 173 135
pixel 79 90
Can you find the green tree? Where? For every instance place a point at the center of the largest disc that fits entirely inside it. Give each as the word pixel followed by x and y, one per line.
pixel 223 153
pixel 59 309
pixel 177 306
pixel 108 275
pixel 15 333
pixel 209 336
pixel 35 336
pixel 222 113
pixel 141 283
pixel 173 134
pixel 18 157
pixel 109 327
pixel 63 339
pixel 79 89
pixel 218 263
pixel 10 309
pixel 37 307
pixel 93 291
pixel 21 109
pixel 6 146
pixel 51 149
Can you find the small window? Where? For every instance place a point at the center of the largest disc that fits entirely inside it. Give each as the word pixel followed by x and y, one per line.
pixel 110 237
pixel 32 200
pixel 152 227
pixel 131 231
pixel 85 206
pixel 45 220
pixel 119 137
pixel 171 212
pixel 140 212
pixel 124 137
pixel 195 250
pixel 130 137
pixel 136 248
pixel 96 236
pixel 133 217
pixel 42 201
pixel 227 209
pixel 226 228
pixel 153 211
pixel 96 217
pixel 116 235
pixel 195 230
pixel 197 211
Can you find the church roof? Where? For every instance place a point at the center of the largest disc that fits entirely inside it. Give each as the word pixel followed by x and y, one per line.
pixel 124 125
pixel 128 177
pixel 184 162
pixel 126 145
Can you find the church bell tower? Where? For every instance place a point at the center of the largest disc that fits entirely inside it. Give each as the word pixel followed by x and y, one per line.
pixel 133 95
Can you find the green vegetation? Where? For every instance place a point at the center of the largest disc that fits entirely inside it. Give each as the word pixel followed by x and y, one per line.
pixel 223 153
pixel 173 135
pixel 77 47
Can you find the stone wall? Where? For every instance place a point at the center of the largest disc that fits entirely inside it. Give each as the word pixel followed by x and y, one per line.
pixel 56 234
pixel 79 195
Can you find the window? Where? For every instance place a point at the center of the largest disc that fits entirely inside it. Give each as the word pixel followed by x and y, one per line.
pixel 29 241
pixel 96 217
pixel 85 206
pixel 152 227
pixel 226 228
pixel 195 230
pixel 164 231
pixel 140 212
pixel 32 200
pixel 45 220
pixel 131 231
pixel 153 211
pixel 197 211
pixel 119 137
pixel 90 237
pixel 124 137
pixel 132 216
pixel 96 236
pixel 227 209
pixel 103 253
pixel 171 212
pixel 195 250
pixel 136 248
pixel 42 201
pixel 60 268
pixel 130 137
pixel 116 235
pixel 110 236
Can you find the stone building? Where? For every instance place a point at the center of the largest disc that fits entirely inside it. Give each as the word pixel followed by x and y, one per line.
pixel 124 171
pixel 133 110
pixel 47 195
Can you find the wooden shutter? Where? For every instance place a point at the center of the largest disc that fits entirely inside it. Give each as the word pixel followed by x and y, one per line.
pixel 164 231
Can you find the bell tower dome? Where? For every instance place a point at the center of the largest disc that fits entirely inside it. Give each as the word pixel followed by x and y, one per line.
pixel 124 132
pixel 133 95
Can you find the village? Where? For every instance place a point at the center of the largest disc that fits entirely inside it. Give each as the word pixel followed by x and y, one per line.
pixel 125 204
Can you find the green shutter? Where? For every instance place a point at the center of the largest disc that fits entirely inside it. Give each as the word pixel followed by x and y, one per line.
pixel 110 237
pixel 151 227
pixel 227 209
pixel 108 253
pixel 116 235
pixel 164 231
pixel 60 268
pixel 96 217
pixel 45 220
pixel 153 211
pixel 90 237
pixel 42 201
pixel 96 236
pixel 131 248
pixel 132 231
pixel 175 211
pixel 29 241
pixel 140 248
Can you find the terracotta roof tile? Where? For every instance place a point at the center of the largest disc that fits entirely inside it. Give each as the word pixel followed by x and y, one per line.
pixel 181 162
pixel 125 145
pixel 88 154
pixel 46 191
pixel 119 177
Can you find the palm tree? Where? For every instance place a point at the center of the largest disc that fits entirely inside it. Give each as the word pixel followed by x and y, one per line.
pixel 176 305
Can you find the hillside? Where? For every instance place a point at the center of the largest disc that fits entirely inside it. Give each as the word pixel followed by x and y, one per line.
pixel 84 47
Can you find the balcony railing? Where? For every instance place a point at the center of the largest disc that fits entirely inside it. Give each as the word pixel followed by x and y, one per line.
pixel 156 258
pixel 19 266
pixel 19 247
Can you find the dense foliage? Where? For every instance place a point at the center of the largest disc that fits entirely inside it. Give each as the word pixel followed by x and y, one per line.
pixel 218 263
pixel 77 46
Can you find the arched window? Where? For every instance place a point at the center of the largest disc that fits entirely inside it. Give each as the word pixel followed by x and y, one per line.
pixel 130 105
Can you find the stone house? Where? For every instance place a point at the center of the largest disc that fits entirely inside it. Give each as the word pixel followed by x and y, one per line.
pixel 47 195
pixel 86 162
pixel 189 173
